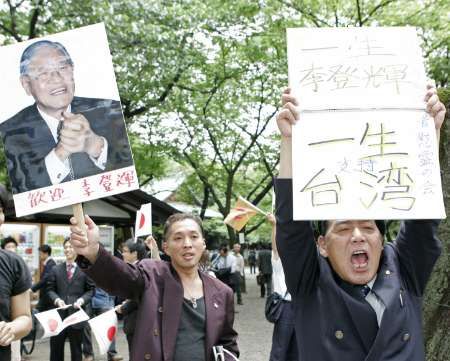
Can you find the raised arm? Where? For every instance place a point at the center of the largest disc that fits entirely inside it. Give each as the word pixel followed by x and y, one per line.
pixel 108 272
pixel 295 240
pixel 417 243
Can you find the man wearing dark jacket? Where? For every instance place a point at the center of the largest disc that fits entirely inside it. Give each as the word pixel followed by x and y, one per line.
pixel 265 270
pixel 48 263
pixel 354 298
pixel 69 286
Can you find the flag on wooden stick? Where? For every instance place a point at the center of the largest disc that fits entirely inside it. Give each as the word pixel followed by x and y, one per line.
pixel 241 213
pixel 143 225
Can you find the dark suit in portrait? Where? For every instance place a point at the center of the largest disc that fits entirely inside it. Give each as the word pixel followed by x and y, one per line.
pixel 44 303
pixel 28 140
pixel 59 286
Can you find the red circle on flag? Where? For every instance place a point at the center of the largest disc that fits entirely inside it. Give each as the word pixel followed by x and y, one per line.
pixel 111 332
pixel 142 221
pixel 52 324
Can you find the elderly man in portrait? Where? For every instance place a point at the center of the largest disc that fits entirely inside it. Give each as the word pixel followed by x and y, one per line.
pixel 60 137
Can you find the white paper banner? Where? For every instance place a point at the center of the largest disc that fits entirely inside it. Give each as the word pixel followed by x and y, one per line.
pixel 366 165
pixel 348 68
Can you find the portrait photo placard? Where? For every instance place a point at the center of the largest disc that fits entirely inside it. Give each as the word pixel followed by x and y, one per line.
pixel 63 129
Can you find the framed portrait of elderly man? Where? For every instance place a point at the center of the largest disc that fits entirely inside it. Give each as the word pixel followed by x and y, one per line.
pixel 62 125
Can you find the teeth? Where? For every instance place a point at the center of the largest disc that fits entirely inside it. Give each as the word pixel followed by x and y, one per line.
pixel 358 252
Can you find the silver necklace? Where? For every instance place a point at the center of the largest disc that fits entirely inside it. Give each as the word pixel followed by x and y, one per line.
pixel 191 299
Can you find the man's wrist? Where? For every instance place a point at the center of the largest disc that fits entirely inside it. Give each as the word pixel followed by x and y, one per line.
pixel 61 153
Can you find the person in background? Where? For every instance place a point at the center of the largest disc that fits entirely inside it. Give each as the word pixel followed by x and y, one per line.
pixel 265 269
pixel 239 272
pixel 9 244
pixel 15 283
pixel 284 344
pixel 252 259
pixel 133 252
pixel 225 266
pixel 69 286
pixel 47 263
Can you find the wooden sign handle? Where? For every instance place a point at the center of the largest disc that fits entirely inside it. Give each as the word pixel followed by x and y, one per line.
pixel 79 216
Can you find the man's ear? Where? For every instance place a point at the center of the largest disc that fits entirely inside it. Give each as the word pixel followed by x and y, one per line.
pixel 164 247
pixel 322 243
pixel 26 85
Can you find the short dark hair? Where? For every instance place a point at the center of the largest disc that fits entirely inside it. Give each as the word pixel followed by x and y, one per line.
pixel 45 248
pixel 31 49
pixel 137 247
pixel 7 240
pixel 67 239
pixel 322 227
pixel 4 195
pixel 177 217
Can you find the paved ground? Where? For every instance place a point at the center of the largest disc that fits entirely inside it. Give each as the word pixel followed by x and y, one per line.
pixel 254 331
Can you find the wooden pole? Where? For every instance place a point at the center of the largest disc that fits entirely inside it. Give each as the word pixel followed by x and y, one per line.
pixel 79 216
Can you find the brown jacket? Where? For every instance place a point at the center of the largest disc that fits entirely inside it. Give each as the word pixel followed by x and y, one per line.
pixel 157 287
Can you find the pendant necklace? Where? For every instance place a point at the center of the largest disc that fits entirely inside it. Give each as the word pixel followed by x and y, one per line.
pixel 191 299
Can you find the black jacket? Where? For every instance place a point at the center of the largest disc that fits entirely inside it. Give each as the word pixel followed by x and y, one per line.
pixel 327 323
pixel 79 286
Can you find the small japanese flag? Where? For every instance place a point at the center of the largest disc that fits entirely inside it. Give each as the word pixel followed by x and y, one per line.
pixel 241 213
pixel 75 318
pixel 51 322
pixel 144 221
pixel 104 328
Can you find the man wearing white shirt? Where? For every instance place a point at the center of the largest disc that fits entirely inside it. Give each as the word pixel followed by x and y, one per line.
pixel 60 137
pixel 239 273
pixel 68 285
pixel 225 266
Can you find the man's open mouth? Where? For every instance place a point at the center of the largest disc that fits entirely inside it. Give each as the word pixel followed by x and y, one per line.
pixel 360 259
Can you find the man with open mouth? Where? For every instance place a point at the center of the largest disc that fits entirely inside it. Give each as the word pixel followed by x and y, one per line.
pixel 355 298
pixel 61 137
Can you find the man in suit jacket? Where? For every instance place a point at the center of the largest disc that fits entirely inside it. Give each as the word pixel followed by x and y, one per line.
pixel 60 137
pixel 48 263
pixel 265 269
pixel 182 312
pixel 69 286
pixel 354 298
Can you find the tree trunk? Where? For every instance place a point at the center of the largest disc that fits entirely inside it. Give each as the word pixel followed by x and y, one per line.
pixel 437 297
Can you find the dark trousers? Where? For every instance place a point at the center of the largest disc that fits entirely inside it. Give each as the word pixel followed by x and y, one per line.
pixel 237 286
pixel 57 344
pixel 130 343
pixel 266 282
pixel 284 345
pixel 88 350
pixel 252 267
